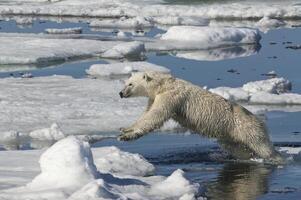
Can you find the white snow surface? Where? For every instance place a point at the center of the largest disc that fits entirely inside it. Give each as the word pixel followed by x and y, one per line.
pixel 275 91
pixel 134 8
pixel 210 37
pixel 42 49
pixel 78 106
pixel 125 68
pixel 67 171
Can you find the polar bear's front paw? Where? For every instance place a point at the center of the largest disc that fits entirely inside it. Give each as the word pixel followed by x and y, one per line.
pixel 129 136
pixel 126 130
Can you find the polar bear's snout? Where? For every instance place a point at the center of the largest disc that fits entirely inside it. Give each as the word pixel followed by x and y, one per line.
pixel 121 94
pixel 125 93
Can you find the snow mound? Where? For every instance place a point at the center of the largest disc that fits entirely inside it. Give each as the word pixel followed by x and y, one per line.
pixel 211 37
pixel 52 133
pixel 75 30
pixel 68 172
pixel 275 91
pixel 125 68
pixel 113 160
pixel 168 187
pixel 68 163
pixel 128 49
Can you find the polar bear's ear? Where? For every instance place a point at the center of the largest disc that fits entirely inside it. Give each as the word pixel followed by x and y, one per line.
pixel 146 77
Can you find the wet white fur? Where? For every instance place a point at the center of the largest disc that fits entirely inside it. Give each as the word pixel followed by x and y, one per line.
pixel 237 130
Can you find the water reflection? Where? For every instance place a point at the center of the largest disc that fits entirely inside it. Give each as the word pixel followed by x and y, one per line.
pixel 240 181
pixel 219 54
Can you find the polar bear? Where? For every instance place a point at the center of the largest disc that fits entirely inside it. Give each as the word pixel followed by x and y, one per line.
pixel 237 130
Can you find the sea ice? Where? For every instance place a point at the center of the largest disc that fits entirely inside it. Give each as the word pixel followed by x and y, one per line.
pixel 52 133
pixel 38 49
pixel 68 172
pixel 126 68
pixel 126 49
pixel 275 91
pixel 113 160
pixel 210 37
pixel 75 30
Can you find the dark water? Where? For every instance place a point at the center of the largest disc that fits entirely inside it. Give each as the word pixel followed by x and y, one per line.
pixel 198 156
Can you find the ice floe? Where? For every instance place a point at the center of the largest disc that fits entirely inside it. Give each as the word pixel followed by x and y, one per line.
pixel 113 160
pixel 68 171
pixel 126 68
pixel 275 91
pixel 52 133
pixel 16 49
pixel 75 30
pixel 267 23
pixel 77 105
pixel 193 37
pixel 127 49
pixel 42 49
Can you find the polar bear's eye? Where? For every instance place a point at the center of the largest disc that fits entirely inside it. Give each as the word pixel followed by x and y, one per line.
pixel 130 84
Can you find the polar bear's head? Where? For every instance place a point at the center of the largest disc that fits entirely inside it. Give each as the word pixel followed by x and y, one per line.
pixel 143 84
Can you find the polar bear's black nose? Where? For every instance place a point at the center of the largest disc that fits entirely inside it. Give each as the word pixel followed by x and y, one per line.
pixel 121 94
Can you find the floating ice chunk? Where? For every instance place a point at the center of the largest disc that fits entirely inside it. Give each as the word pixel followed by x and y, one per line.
pixel 124 22
pixel 211 37
pixel 113 160
pixel 273 91
pixel 27 75
pixel 121 34
pixel 280 99
pixel 175 186
pixel 124 68
pixel 9 136
pixel 232 94
pixel 68 163
pixel 128 49
pixel 266 23
pixel 75 30
pixel 52 133
pixel 273 86
pixel 291 153
pixel 38 49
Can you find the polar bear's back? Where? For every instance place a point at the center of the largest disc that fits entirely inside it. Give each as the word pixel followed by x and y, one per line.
pixel 203 111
